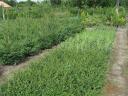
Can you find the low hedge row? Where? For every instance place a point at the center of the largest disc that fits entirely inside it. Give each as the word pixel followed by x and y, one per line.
pixel 19 41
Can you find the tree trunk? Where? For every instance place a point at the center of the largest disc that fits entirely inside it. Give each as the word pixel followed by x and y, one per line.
pixel 117 6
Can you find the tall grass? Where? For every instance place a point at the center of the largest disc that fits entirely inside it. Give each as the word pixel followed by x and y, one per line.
pixel 22 37
pixel 77 68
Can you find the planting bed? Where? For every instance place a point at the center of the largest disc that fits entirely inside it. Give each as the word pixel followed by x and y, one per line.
pixel 77 68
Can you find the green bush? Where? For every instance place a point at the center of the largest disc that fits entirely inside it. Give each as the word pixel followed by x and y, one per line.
pixel 106 16
pixel 90 20
pixel 113 19
pixel 26 36
pixel 77 68
pixel 91 3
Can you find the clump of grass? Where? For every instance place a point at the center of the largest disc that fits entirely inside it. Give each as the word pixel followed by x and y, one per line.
pixel 77 68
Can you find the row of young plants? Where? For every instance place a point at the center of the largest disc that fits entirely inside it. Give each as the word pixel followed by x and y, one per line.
pixel 23 37
pixel 90 16
pixel 76 68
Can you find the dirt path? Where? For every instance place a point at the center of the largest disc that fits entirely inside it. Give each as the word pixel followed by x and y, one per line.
pixel 117 84
pixel 6 72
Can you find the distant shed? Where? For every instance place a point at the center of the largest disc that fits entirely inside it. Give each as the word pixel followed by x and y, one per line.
pixel 4 5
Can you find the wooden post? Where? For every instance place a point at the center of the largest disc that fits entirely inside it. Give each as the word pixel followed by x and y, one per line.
pixel 3 13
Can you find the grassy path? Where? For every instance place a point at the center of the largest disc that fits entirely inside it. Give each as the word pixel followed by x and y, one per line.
pixel 6 71
pixel 117 80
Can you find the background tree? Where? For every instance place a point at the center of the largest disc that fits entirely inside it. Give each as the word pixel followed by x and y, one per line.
pixel 55 2
pixel 91 3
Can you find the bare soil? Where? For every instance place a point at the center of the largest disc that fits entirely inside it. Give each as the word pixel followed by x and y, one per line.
pixel 117 84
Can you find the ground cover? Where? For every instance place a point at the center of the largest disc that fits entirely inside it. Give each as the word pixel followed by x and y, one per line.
pixel 77 68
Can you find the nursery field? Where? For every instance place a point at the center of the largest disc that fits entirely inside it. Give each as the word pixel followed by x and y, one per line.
pixel 22 37
pixel 77 68
pixel 26 32
pixel 63 48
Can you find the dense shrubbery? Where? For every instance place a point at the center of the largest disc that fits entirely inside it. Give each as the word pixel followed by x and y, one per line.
pixel 36 11
pixel 107 16
pixel 29 29
pixel 92 3
pixel 25 36
pixel 90 15
pixel 76 68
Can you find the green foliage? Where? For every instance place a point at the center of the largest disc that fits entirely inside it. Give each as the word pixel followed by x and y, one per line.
pixel 76 68
pixel 107 16
pixel 90 20
pixel 124 3
pixel 55 2
pixel 27 3
pixel 113 18
pixel 90 16
pixel 91 3
pixel 29 12
pixel 22 37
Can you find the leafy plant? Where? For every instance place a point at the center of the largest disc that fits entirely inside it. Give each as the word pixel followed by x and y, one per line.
pixel 106 16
